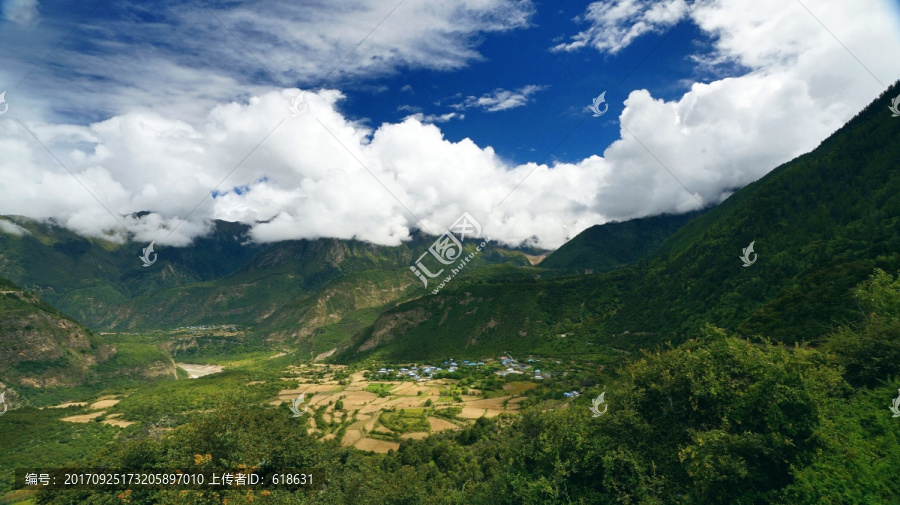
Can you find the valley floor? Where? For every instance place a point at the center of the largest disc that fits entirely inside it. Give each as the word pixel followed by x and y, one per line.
pixel 362 409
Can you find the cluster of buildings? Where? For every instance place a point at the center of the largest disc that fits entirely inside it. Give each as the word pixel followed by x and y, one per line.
pixel 413 372
pixel 454 366
pixel 425 372
pixel 514 367
pixel 203 327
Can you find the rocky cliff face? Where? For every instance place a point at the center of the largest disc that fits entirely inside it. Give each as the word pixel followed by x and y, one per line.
pixel 40 346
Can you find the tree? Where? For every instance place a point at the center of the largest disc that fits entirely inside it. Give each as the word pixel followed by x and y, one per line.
pixel 870 352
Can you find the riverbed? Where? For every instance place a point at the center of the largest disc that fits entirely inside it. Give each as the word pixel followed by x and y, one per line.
pixel 196 371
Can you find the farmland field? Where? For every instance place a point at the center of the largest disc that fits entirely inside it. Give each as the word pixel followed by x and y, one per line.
pixel 369 406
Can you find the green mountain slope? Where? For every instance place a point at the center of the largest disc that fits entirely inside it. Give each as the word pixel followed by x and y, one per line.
pixel 478 318
pixel 821 224
pixel 606 246
pixel 289 290
pixel 299 291
pixel 82 276
pixel 42 347
pixel 715 420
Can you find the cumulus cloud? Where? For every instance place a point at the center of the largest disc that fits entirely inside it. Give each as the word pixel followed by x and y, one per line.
pixel 324 174
pixel 802 84
pixel 318 174
pixel 500 99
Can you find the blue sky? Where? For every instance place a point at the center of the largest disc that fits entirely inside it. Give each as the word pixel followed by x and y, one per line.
pixel 418 110
pixel 555 115
pixel 552 115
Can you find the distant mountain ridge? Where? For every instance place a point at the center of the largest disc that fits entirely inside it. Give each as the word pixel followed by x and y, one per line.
pixel 286 290
pixel 54 261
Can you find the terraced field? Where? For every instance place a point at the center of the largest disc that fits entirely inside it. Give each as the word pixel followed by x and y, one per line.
pixel 341 403
pixel 363 426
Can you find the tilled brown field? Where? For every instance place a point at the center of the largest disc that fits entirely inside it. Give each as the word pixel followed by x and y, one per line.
pixel 368 406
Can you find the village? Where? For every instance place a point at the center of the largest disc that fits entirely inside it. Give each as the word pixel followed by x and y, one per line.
pixel 503 366
pixel 374 408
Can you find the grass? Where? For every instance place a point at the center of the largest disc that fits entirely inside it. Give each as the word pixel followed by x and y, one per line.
pixel 380 389
pixel 173 398
pixel 18 497
pixel 131 359
pixel 446 413
pixel 332 335
pixel 518 387
pixel 405 421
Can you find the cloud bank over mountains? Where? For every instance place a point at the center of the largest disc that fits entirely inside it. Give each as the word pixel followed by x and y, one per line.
pixel 325 173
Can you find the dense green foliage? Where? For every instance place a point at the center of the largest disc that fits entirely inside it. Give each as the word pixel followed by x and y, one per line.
pixel 172 398
pixel 871 353
pixel 716 419
pixel 606 246
pixel 31 438
pixel 405 421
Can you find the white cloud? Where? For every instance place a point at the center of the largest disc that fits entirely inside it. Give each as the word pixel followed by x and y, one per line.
pixel 616 24
pixel 500 99
pixel 12 228
pixel 23 12
pixel 302 182
pixel 801 86
pixel 435 118
pixel 185 62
